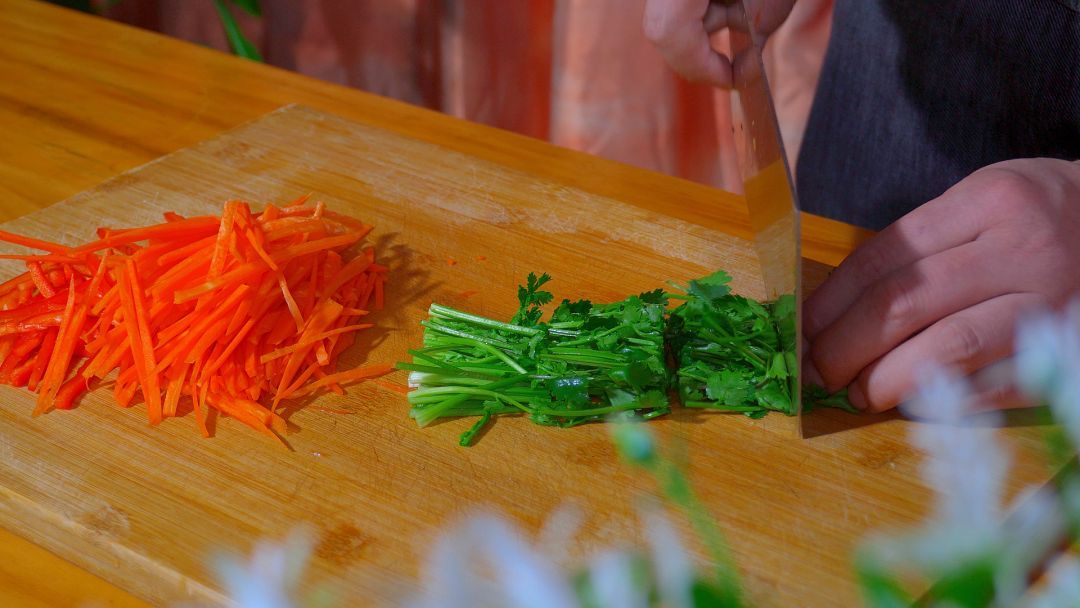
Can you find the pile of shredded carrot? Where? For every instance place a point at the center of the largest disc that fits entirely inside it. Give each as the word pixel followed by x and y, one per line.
pixel 236 313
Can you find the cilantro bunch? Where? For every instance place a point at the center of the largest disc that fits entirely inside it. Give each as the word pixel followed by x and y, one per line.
pixel 586 362
pixel 733 353
pixel 589 361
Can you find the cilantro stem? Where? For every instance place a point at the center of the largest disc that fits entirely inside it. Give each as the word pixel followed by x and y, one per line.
pixel 427 369
pixel 467 390
pixel 437 310
pixel 468 436
pixel 464 334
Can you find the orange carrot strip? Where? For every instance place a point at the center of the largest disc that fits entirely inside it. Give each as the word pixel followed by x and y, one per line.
pixel 215 364
pixel 329 242
pixel 71 390
pixel 41 258
pixel 352 375
pixel 37 274
pixel 152 382
pixel 225 231
pixel 6 344
pixel 300 381
pixel 13 284
pixel 241 274
pixel 291 226
pixel 192 226
pixel 320 318
pixel 212 334
pixel 391 386
pixel 182 253
pixel 253 237
pixel 250 413
pixel 281 352
pixel 57 367
pixel 290 301
pixel 201 326
pixel 32 243
pixel 41 360
pixel 348 272
pixel 138 344
pixel 173 389
pixel 25 344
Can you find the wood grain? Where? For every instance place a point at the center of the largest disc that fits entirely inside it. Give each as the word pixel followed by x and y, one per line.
pixel 144 507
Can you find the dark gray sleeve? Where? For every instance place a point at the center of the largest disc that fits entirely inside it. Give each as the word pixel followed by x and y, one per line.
pixel 916 95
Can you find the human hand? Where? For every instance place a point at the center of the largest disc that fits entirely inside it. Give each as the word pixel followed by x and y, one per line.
pixel 946 282
pixel 680 29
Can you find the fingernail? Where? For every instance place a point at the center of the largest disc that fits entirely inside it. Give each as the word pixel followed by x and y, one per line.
pixel 810 373
pixel 857 398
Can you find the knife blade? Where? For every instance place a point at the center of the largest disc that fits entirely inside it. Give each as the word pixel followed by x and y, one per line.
pixel 767 185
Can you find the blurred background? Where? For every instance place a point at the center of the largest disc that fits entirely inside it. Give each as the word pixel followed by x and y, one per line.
pixel 577 73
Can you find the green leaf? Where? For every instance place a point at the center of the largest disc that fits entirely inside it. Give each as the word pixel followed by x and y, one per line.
pixel 250 7
pixel 656 296
pixel 881 590
pixel 568 311
pixel 774 396
pixel 778 367
pixel 969 586
pixel 704 595
pixel 711 287
pixel 814 396
pixel 530 299
pixel 729 388
pixel 239 43
pixel 571 391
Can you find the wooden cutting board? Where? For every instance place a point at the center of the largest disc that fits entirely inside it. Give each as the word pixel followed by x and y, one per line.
pixel 147 507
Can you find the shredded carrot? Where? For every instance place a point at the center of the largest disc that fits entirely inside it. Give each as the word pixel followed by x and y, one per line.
pixel 32 243
pixel 352 375
pixel 451 262
pixel 235 314
pixel 390 386
pixel 37 274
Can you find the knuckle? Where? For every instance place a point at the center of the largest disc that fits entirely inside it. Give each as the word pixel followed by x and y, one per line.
pixel 655 27
pixel 961 341
pixel 896 300
pixel 870 265
pixel 829 363
pixel 875 393
pixel 1011 192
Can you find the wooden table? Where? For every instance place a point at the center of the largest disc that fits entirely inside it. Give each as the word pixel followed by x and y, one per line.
pixel 83 99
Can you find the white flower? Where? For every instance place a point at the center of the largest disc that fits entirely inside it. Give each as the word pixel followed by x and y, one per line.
pixel 1062 587
pixel 965 466
pixel 674 568
pixel 486 562
pixel 516 575
pixel 1048 364
pixel 269 579
pixel 611 575
pixel 1035 529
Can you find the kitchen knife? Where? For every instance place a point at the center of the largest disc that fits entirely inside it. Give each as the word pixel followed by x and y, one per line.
pixel 767 186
